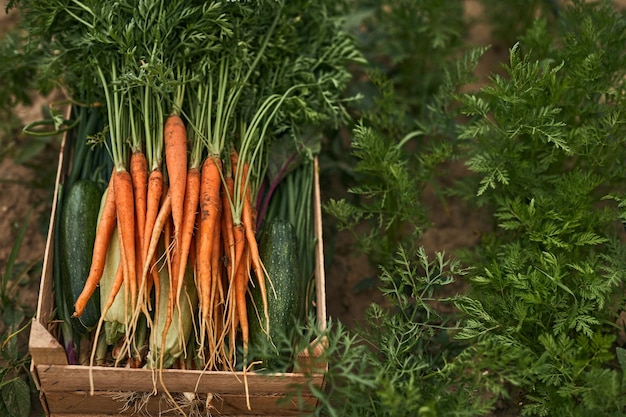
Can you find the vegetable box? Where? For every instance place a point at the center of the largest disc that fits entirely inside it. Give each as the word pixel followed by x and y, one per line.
pixel 65 389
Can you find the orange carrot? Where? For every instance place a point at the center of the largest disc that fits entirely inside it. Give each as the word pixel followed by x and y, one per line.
pixel 241 283
pixel 139 175
pixel 249 224
pixel 124 203
pixel 249 256
pixel 239 239
pixel 192 196
pixel 175 140
pixel 243 251
pixel 255 257
pixel 209 219
pixel 104 231
pixel 238 285
pixel 153 205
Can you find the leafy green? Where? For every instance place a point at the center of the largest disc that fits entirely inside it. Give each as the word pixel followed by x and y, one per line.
pixel 16 397
pixel 17 76
pixel 394 160
pixel 397 364
pixel 508 21
pixel 15 391
pixel 411 41
pixel 545 145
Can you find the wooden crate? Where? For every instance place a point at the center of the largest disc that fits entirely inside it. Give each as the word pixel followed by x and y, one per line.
pixel 65 389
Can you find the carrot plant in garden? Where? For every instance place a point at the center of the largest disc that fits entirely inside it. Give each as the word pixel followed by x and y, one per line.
pixel 546 144
pixel 397 364
pixel 20 82
pixel 507 21
pixel 395 154
pixel 15 389
pixel 398 360
pixel 18 79
pixel 410 41
pixel 539 326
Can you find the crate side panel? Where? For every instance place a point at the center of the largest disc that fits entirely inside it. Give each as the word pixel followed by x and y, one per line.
pixel 55 378
pixel 320 277
pixel 136 403
pixel 45 348
pixel 45 304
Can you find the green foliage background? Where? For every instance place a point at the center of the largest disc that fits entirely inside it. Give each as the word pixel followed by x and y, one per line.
pixel 536 331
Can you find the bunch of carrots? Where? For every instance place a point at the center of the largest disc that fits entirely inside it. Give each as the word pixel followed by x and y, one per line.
pixel 194 93
pixel 188 210
pixel 194 209
pixel 177 222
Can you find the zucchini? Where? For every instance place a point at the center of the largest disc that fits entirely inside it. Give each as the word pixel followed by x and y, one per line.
pixel 77 235
pixel 278 252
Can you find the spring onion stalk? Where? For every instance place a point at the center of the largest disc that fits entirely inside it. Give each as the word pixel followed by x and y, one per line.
pixel 179 330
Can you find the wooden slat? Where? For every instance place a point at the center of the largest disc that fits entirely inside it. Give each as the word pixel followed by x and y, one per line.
pixel 54 378
pixel 45 303
pixel 81 403
pixel 320 277
pixel 43 347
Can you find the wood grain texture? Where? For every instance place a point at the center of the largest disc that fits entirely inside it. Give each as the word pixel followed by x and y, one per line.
pixel 67 378
pixel 81 403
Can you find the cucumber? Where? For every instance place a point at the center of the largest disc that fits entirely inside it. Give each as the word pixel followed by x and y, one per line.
pixel 278 252
pixel 77 235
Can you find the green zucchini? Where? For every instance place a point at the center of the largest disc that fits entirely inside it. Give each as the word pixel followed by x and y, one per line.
pixel 278 252
pixel 77 235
